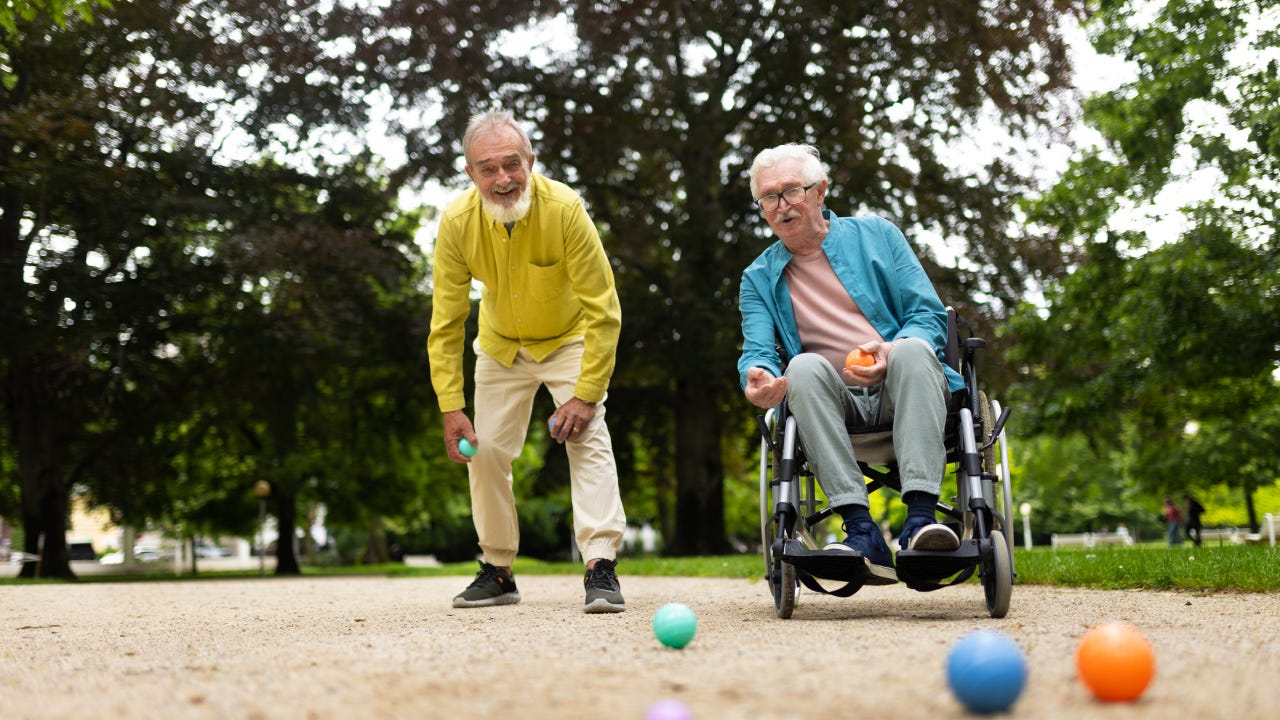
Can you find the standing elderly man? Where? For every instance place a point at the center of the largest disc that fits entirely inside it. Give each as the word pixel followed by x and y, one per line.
pixel 829 285
pixel 549 315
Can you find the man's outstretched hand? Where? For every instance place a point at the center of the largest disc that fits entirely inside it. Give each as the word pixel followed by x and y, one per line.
pixel 763 389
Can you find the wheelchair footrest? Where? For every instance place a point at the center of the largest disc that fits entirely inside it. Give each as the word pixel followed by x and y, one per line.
pixel 928 569
pixel 846 566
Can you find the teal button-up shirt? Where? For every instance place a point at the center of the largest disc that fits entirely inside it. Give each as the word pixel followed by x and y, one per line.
pixel 878 268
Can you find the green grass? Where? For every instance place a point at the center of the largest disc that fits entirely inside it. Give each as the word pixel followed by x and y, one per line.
pixel 1247 568
pixel 1233 568
pixel 1240 568
pixel 735 566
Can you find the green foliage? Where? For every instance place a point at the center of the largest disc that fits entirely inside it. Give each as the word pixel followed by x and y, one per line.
pixel 15 15
pixel 1146 340
pixel 179 325
pixel 1073 486
pixel 19 17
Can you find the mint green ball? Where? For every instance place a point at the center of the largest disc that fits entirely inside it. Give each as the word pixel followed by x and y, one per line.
pixel 674 625
pixel 466 448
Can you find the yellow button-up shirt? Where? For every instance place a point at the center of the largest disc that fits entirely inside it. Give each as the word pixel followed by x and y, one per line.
pixel 544 284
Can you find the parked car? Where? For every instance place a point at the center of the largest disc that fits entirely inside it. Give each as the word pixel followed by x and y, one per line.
pixel 117 557
pixel 81 551
pixel 212 551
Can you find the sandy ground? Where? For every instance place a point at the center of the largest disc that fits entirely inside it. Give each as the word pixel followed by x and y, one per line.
pixel 395 648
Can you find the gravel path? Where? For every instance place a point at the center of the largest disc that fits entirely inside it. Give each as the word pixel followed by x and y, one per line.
pixel 356 648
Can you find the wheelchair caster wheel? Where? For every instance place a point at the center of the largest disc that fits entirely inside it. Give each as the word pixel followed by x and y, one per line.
pixel 997 575
pixel 784 585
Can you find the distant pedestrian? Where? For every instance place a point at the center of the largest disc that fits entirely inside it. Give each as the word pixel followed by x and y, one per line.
pixel 1173 521
pixel 1194 511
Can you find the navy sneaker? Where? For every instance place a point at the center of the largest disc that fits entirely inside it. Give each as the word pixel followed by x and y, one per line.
pixel 865 538
pixel 920 533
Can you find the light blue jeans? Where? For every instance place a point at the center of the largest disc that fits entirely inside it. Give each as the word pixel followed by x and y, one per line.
pixel 913 396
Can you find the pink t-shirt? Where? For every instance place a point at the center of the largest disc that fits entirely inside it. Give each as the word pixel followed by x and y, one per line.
pixel 829 321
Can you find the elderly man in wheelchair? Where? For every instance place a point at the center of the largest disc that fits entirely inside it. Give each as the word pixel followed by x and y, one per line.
pixel 829 286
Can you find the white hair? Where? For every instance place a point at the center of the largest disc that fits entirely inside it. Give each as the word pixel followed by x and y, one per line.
pixel 490 121
pixel 812 169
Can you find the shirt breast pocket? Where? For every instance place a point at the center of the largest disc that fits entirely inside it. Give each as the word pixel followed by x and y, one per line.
pixel 549 283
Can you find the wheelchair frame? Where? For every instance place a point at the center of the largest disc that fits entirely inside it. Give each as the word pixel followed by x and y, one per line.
pixel 790 508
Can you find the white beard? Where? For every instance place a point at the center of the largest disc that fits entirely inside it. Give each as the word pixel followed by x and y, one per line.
pixel 509 214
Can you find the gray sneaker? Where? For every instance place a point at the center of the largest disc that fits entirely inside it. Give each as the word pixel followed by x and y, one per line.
pixel 604 594
pixel 492 586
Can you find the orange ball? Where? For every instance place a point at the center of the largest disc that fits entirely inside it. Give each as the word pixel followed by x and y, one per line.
pixel 860 358
pixel 1115 662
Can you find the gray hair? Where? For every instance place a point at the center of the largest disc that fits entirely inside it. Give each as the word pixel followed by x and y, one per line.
pixel 490 121
pixel 812 169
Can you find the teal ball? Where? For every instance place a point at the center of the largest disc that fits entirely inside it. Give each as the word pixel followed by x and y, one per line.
pixel 466 448
pixel 675 625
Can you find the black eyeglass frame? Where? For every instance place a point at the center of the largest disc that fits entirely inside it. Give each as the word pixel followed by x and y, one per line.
pixel 778 197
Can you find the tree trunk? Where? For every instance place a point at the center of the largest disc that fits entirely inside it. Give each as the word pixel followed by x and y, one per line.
pixel 699 473
pixel 287 523
pixel 375 545
pixel 45 495
pixel 45 534
pixel 1250 509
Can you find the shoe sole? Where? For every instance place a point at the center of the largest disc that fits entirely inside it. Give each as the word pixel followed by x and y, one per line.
pixel 880 575
pixel 510 598
pixel 876 574
pixel 603 605
pixel 934 538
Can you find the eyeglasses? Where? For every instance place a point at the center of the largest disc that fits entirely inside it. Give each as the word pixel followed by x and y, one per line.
pixel 793 196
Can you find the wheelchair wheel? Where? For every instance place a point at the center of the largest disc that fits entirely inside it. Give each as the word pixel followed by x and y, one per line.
pixel 784 585
pixel 988 422
pixel 997 576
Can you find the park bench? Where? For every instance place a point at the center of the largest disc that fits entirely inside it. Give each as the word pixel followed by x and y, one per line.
pixel 1222 536
pixel 1089 539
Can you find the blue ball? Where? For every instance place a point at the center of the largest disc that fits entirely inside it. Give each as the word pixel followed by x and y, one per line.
pixel 466 448
pixel 986 671
pixel 674 625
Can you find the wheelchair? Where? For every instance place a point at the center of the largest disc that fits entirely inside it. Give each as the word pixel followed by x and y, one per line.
pixel 790 509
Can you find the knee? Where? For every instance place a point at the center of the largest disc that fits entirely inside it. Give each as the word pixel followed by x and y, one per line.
pixel 913 356
pixel 806 370
pixel 912 348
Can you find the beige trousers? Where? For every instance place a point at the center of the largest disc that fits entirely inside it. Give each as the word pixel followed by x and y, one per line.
pixel 504 403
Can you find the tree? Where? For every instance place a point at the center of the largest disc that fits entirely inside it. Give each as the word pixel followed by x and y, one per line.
pixel 19 18
pixel 316 369
pixel 654 113
pixel 99 194
pixel 120 217
pixel 1146 337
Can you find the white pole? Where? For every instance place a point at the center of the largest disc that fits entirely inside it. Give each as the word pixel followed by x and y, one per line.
pixel 1271 528
pixel 1025 509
